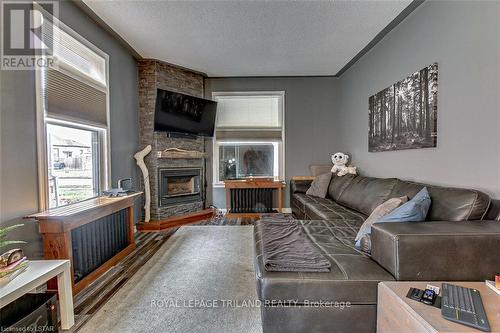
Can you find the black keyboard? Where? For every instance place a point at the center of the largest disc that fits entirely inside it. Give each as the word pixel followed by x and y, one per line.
pixel 464 306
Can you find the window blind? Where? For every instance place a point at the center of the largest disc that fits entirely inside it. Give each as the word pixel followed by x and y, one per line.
pixel 75 87
pixel 249 134
pixel 248 112
pixel 68 98
pixel 72 55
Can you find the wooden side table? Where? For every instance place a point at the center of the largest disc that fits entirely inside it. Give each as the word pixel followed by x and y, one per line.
pixel 299 178
pixel 397 313
pixel 249 183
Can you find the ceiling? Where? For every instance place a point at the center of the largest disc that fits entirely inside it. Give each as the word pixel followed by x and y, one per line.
pixel 250 38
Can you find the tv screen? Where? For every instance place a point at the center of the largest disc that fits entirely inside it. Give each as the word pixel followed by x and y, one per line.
pixel 181 113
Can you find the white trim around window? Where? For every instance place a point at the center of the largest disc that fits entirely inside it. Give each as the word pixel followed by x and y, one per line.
pixel 273 135
pixel 42 120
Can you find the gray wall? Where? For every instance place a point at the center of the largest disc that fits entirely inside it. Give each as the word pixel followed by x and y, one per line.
pixel 309 119
pixel 464 38
pixel 18 182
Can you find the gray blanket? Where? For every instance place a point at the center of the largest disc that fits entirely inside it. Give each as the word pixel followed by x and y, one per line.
pixel 286 248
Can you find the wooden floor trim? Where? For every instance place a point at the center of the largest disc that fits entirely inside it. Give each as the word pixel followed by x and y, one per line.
pixel 175 221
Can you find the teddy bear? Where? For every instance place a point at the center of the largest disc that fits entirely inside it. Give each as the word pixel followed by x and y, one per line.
pixel 339 161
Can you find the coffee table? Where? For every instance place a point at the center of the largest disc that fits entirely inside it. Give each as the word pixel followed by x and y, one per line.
pixel 397 313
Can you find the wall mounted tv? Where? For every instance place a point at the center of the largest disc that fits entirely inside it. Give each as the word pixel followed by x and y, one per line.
pixel 181 113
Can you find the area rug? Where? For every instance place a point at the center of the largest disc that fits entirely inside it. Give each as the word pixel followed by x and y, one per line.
pixel 201 280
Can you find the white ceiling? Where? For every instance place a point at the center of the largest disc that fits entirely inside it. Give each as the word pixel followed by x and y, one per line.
pixel 250 38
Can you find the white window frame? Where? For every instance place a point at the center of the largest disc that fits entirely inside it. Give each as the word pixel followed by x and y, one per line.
pixel 42 120
pixel 215 142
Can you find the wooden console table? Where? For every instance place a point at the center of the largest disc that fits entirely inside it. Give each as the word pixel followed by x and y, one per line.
pixel 101 245
pixel 253 183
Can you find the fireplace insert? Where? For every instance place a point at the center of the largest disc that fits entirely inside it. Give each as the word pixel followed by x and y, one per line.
pixel 179 185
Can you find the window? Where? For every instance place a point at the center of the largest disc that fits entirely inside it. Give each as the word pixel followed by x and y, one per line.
pixel 72 115
pixel 74 56
pixel 249 136
pixel 73 175
pixel 239 160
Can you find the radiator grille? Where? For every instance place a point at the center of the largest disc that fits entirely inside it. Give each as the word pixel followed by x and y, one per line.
pixel 97 242
pixel 251 200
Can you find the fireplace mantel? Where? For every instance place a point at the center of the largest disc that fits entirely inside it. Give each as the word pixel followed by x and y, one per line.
pixel 176 153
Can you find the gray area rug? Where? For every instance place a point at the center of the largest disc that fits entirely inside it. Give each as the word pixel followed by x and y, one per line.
pixel 201 280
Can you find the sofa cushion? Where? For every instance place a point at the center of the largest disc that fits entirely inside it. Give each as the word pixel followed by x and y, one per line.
pixel 382 210
pixel 338 185
pixel 353 276
pixel 319 186
pixel 300 319
pixel 448 203
pixel 364 194
pixel 299 201
pixel 414 210
pixel 437 250
pixel 327 209
pixel 300 185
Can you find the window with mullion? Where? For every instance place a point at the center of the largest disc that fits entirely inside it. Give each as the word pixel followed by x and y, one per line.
pixel 73 120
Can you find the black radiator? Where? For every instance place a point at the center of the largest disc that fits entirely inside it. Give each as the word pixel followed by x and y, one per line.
pixel 97 242
pixel 251 200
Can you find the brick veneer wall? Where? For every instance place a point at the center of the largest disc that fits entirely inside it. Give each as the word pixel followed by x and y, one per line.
pixel 155 74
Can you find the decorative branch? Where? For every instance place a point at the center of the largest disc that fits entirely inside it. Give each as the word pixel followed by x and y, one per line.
pixel 139 156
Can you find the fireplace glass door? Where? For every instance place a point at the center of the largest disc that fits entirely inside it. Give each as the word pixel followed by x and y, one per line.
pixel 179 186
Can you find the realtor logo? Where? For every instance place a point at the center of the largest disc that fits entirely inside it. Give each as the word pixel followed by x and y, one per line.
pixel 26 39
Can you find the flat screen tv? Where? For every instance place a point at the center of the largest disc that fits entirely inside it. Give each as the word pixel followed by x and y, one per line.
pixel 181 113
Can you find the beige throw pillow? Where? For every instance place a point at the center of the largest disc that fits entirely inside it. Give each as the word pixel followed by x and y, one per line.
pixel 319 186
pixel 366 243
pixel 379 212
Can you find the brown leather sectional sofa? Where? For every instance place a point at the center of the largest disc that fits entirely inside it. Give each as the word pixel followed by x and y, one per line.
pixel 455 244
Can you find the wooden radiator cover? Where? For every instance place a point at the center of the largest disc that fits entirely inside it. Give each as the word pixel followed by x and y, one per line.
pixel 94 235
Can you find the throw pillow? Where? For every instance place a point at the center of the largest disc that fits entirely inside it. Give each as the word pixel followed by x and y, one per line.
pixel 379 212
pixel 366 243
pixel 414 210
pixel 319 186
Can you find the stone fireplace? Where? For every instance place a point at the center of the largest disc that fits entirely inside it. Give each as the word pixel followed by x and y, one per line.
pixel 177 184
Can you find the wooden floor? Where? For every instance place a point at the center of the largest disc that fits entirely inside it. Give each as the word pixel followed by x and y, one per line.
pixel 93 297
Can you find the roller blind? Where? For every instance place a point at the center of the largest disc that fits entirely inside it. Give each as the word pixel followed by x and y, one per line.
pixel 71 99
pixel 249 135
pixel 75 87
pixel 72 55
pixel 249 112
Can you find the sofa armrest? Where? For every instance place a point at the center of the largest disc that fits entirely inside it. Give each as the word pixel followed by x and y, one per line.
pixel 300 184
pixel 453 251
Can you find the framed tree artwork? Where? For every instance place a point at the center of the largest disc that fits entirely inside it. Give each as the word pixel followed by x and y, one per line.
pixel 404 115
